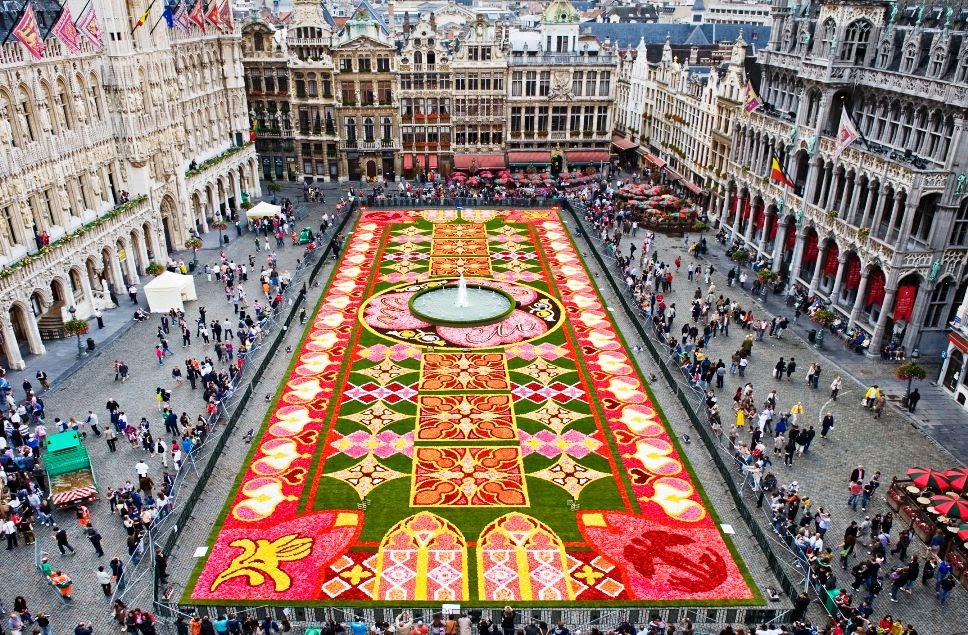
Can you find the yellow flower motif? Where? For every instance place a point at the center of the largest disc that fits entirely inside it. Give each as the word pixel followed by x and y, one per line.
pixel 260 559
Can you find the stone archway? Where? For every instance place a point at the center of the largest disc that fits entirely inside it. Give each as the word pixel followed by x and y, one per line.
pixel 167 214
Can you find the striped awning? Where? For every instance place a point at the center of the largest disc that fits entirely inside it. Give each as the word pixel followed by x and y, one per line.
pixel 79 494
pixel 622 143
pixel 482 161
pixel 524 158
pixel 587 156
pixel 654 160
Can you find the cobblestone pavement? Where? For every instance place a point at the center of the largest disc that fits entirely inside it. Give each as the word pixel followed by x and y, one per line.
pixel 890 444
pixel 823 473
pixel 88 385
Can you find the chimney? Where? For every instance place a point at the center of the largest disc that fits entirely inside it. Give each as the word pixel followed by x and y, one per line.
pixel 390 6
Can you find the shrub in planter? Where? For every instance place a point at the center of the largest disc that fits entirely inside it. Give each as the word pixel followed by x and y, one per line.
pixel 824 317
pixel 221 224
pixel 76 327
pixel 155 269
pixel 765 275
pixel 741 256
pixel 193 243
pixel 911 370
pixel 699 226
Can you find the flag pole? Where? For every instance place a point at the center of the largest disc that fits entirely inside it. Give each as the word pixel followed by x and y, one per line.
pixel 56 20
pixel 157 22
pixel 145 14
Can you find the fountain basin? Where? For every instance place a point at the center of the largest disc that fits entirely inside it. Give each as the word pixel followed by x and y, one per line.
pixel 438 305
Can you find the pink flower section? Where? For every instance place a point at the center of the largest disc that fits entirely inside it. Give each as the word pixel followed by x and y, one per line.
pixel 518 326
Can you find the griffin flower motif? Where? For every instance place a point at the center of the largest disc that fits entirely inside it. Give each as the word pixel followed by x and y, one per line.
pixel 261 558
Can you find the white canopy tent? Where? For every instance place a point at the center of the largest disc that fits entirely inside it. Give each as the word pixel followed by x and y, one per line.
pixel 169 291
pixel 263 210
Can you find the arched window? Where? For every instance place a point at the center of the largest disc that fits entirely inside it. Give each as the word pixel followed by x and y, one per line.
pixel 10 113
pixel 828 32
pixel 387 126
pixel 431 57
pixel 937 65
pixel 351 129
pixel 856 39
pixel 959 234
pixel 953 372
pixel 368 129
pixel 937 305
pixel 909 58
pixel 417 57
pixel 884 53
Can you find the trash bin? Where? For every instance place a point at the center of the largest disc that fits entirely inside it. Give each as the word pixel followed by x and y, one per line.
pixel 225 239
pixel 191 266
pixel 90 343
pixel 812 336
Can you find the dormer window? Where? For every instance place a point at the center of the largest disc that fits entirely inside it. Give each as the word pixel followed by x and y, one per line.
pixel 909 59
pixel 937 62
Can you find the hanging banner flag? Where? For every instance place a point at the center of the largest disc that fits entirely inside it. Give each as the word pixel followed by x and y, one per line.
pixel 212 15
pixel 846 134
pixel 181 18
pixel 197 15
pixel 777 174
pixel 832 264
pixel 169 16
pixel 66 32
pixel 904 305
pixel 225 15
pixel 751 101
pixel 28 33
pixel 853 273
pixel 88 26
pixel 144 17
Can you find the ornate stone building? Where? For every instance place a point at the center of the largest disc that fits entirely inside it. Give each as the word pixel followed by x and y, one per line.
pixel 879 229
pixel 425 100
pixel 560 91
pixel 82 132
pixel 679 119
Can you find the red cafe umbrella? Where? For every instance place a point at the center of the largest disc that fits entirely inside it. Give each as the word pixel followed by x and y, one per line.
pixel 962 532
pixel 459 176
pixel 958 478
pixel 486 174
pixel 926 478
pixel 951 505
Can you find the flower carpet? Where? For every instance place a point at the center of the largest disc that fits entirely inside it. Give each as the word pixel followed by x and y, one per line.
pixel 519 461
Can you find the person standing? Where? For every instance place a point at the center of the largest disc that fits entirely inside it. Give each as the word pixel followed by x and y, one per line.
pixel 10 532
pixel 826 425
pixel 835 387
pixel 161 565
pixel 95 538
pixel 104 579
pixel 42 378
pixel 779 369
pixel 112 438
pixel 99 317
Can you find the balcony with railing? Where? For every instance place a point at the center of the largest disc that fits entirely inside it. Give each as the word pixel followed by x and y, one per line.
pixel 373 145
pixel 578 60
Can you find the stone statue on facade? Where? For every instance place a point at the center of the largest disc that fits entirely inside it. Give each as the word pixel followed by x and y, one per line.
pixel 961 183
pixel 44 114
pixel 935 270
pixel 6 130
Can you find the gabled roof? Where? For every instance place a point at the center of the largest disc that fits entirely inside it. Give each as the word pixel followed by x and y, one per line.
pixel 364 10
pixel 697 38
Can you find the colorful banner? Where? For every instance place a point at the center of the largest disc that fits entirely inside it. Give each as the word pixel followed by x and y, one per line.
pixel 87 25
pixel 777 174
pixel 751 101
pixel 853 272
pixel 833 263
pixel 846 134
pixel 66 32
pixel 182 20
pixel 213 15
pixel 904 305
pixel 812 249
pixel 28 33
pixel 197 16
pixel 225 15
pixel 791 237
pixel 875 288
pixel 759 219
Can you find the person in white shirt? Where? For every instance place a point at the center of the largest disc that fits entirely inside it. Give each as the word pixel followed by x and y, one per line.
pixel 142 468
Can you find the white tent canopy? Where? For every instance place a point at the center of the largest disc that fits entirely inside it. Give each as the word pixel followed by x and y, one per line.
pixel 169 291
pixel 263 210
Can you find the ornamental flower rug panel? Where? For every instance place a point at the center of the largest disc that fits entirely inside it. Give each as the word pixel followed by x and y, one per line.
pixel 463 423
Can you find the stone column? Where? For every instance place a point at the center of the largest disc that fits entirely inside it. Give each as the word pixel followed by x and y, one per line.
pixel 855 201
pixel 120 288
pixel 33 334
pixel 886 307
pixel 910 208
pixel 813 177
pixel 845 197
pixel 131 265
pixel 142 247
pixel 748 232
pixel 778 244
pixel 769 216
pixel 895 210
pixel 841 266
pixel 826 187
pixel 859 300
pixel 10 346
pixel 86 288
pixel 879 209
pixel 797 256
pixel 818 267
pixel 917 313
pixel 740 202
pixel 872 194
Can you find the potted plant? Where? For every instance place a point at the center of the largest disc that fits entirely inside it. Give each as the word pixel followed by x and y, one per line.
pixel 741 256
pixel 76 326
pixel 247 205
pixel 766 275
pixel 699 226
pixel 910 371
pixel 864 232
pixel 194 243
pixel 832 214
pixel 824 317
pixel 155 269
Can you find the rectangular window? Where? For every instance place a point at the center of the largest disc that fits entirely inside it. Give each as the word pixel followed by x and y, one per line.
pixel 602 123
pixel 270 84
pixel 603 83
pixel 327 86
pixel 348 93
pixel 485 53
pixel 364 64
pixel 516 83
pixel 473 53
pixel 485 82
pixel 558 116
pixel 283 82
pixel 307 166
pixel 460 137
pixel 459 82
pixel 346 65
pixel 383 64
pixel 516 119
pixel 531 84
pixel 542 119
pixel 256 84
pixel 590 78
pixel 472 136
pixel 529 119
pixel 545 87
pixel 472 81
pixel 499 82
pixel 385 92
pixel 575 123
pixel 576 83
pixel 589 119
pixel 311 87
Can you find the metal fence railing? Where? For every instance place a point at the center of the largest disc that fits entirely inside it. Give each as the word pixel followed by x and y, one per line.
pixel 188 482
pixel 787 562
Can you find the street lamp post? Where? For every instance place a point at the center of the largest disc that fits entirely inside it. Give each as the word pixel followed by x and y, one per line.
pixel 77 334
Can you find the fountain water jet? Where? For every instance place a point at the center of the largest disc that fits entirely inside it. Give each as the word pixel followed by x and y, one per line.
pixel 461 300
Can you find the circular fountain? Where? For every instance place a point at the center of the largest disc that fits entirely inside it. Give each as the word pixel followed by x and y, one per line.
pixel 461 305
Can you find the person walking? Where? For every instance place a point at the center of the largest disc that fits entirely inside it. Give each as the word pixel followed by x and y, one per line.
pixel 95 538
pixel 945 586
pixel 104 579
pixel 112 438
pixel 791 368
pixel 779 369
pixel 835 387
pixel 60 536
pixel 10 532
pixel 826 425
pixel 856 488
pixel 913 400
